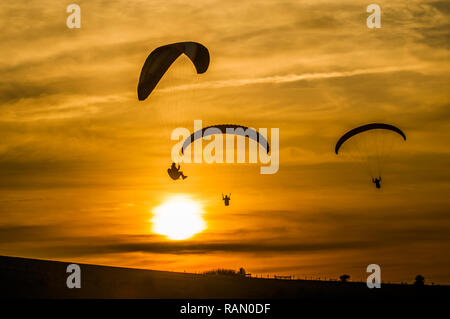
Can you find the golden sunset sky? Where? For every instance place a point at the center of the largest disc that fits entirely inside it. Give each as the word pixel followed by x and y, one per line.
pixel 83 162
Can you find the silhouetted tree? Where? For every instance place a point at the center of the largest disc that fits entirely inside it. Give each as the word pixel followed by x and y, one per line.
pixel 221 271
pixel 420 280
pixel 344 278
pixel 242 272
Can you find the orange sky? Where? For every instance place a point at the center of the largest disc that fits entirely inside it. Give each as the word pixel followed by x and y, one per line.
pixel 83 162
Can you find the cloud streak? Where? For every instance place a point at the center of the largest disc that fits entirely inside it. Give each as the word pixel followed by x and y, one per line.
pixel 288 78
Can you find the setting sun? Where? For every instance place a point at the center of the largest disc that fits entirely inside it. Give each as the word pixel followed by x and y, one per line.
pixel 178 218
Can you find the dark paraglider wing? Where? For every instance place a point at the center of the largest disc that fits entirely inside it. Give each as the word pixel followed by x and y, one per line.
pixel 227 129
pixel 367 127
pixel 160 59
pixel 198 54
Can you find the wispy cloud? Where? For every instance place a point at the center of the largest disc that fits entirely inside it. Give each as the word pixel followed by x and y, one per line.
pixel 279 79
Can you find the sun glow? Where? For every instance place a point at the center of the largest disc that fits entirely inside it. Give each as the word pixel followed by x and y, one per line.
pixel 178 218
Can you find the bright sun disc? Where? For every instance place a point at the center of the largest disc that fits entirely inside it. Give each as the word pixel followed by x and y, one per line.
pixel 178 218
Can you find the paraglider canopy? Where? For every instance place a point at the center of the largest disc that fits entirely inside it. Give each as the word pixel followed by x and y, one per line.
pixel 227 129
pixel 160 59
pixel 367 127
pixel 370 145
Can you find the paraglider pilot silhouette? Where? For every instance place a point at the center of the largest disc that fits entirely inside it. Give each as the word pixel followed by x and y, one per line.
pixel 226 199
pixel 175 173
pixel 377 182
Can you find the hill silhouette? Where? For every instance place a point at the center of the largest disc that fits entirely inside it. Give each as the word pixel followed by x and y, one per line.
pixel 32 278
